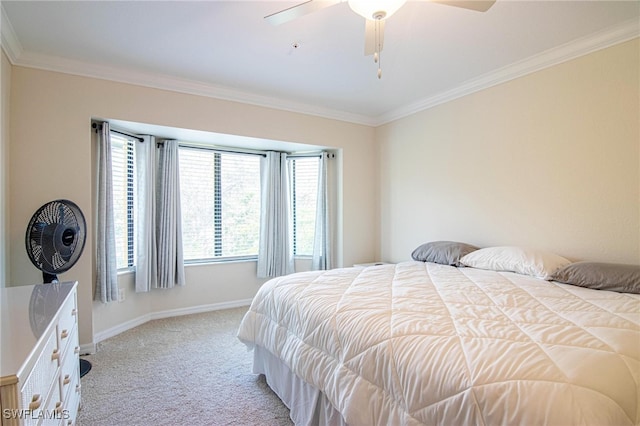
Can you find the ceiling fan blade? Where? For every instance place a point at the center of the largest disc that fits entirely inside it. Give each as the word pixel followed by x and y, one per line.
pixel 299 10
pixel 370 36
pixel 477 5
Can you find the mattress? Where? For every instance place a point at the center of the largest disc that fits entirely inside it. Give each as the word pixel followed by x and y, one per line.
pixel 422 343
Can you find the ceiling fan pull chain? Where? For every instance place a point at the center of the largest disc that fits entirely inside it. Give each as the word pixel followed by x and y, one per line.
pixel 377 57
pixel 376 41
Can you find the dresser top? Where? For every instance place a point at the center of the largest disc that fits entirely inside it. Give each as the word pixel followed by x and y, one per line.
pixel 25 315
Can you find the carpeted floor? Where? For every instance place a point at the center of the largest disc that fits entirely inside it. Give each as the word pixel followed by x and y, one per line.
pixel 188 370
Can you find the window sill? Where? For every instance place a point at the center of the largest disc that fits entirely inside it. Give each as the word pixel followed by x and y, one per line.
pixel 126 271
pixel 205 262
pixel 220 261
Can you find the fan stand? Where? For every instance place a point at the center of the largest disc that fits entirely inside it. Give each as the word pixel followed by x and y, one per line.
pixel 49 278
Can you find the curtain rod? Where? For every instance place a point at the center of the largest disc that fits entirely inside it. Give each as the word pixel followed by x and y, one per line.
pixel 218 148
pixel 308 155
pixel 138 138
pixel 248 151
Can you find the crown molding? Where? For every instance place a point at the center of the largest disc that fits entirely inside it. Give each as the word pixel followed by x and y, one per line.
pixel 191 87
pixel 8 38
pixel 609 37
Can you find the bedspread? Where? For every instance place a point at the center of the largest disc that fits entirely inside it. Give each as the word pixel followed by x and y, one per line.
pixel 423 343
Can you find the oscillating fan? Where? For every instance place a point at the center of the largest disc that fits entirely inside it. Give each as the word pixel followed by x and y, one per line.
pixel 55 238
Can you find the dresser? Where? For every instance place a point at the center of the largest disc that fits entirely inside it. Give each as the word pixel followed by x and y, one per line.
pixel 39 359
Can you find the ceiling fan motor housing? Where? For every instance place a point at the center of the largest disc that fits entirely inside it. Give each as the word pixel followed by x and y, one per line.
pixel 377 9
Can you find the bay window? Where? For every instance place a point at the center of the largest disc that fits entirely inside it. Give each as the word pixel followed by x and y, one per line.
pixel 220 196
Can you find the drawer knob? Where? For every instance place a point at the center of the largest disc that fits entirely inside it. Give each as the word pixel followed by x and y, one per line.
pixel 64 334
pixel 35 402
pixel 74 312
pixel 55 355
pixel 78 388
pixel 66 380
pixel 76 350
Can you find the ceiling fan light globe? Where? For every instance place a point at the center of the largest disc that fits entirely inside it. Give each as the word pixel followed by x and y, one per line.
pixel 370 9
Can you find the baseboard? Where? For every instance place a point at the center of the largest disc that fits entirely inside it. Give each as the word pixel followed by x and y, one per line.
pixel 114 331
pixel 87 348
pixel 200 309
pixel 120 328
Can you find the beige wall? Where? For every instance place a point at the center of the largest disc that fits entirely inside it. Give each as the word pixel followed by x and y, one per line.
pixel 51 157
pixel 5 91
pixel 550 160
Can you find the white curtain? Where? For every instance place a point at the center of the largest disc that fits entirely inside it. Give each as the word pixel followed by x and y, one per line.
pixel 322 240
pixel 146 256
pixel 275 252
pixel 169 220
pixel 106 268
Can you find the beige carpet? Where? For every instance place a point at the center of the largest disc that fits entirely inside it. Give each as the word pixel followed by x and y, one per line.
pixel 188 370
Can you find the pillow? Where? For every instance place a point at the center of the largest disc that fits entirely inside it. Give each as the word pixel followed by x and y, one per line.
pixel 444 252
pixel 537 263
pixel 601 276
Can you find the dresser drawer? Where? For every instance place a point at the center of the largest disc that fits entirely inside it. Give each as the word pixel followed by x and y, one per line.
pixel 67 322
pixel 70 364
pixel 35 391
pixel 52 413
pixel 71 397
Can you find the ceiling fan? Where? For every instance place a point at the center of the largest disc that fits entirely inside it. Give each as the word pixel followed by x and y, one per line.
pixel 374 11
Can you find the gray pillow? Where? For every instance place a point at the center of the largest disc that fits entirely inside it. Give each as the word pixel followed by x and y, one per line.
pixel 444 252
pixel 601 276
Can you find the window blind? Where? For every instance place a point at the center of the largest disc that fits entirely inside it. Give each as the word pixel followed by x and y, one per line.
pixel 220 194
pixel 123 160
pixel 305 193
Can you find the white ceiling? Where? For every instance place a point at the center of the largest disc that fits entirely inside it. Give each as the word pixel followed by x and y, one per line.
pixel 225 49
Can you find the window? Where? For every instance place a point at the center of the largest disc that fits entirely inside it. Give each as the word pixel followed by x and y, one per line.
pixel 221 202
pixel 122 167
pixel 220 196
pixel 304 186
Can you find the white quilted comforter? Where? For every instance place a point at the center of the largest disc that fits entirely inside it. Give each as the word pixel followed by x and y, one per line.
pixel 421 343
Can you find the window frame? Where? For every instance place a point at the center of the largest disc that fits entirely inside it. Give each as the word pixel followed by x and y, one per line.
pixel 218 151
pixel 130 177
pixel 292 158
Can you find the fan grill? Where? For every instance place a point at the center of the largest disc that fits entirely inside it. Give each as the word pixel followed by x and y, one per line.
pixel 55 236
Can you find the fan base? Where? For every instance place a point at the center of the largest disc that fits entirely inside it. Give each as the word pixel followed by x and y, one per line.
pixel 85 367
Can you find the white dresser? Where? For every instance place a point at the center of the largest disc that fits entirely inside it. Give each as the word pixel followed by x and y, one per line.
pixel 39 359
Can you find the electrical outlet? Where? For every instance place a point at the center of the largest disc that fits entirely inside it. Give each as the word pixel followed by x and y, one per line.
pixel 121 295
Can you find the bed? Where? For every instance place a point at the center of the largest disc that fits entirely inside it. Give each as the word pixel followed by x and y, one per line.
pixel 420 342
